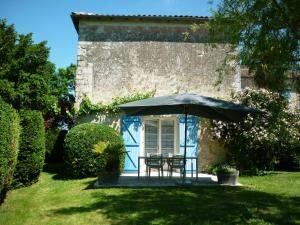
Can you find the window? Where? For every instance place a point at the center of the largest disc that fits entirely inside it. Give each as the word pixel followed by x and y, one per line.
pixel 160 136
pixel 151 136
pixel 167 136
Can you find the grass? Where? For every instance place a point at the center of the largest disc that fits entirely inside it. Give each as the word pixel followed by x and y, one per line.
pixel 271 199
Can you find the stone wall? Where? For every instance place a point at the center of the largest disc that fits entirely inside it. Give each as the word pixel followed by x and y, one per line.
pixel 119 59
pixel 112 120
pixel 211 151
pixel 122 58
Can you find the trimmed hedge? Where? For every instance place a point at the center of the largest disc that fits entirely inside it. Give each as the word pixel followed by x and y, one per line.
pixel 91 148
pixel 55 145
pixel 32 148
pixel 9 144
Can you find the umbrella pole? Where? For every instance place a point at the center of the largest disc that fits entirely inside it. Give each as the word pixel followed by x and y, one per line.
pixel 185 137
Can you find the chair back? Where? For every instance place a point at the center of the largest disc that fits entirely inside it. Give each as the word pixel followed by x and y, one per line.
pixel 154 160
pixel 177 160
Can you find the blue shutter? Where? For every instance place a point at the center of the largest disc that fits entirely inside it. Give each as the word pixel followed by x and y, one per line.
pixel 192 139
pixel 130 129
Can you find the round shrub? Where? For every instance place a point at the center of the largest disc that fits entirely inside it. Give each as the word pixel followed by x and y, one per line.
pixel 91 148
pixel 9 144
pixel 32 148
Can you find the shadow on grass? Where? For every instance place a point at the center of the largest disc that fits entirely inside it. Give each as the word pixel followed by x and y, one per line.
pixel 90 184
pixel 197 205
pixel 59 171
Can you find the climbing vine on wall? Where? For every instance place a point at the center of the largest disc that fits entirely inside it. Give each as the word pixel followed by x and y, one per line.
pixel 87 107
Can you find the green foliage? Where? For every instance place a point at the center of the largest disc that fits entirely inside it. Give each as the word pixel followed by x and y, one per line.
pixel 9 145
pixel 62 85
pixel 289 159
pixel 100 147
pixel 221 168
pixel 24 70
pixel 267 33
pixel 32 148
pixel 54 145
pixel 62 81
pixel 225 169
pixel 51 136
pixel 91 148
pixel 29 81
pixel 259 141
pixel 87 107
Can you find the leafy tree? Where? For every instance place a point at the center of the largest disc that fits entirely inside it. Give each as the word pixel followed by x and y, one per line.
pixel 62 85
pixel 267 33
pixel 24 70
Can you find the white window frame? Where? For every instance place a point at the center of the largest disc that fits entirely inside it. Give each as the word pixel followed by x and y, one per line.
pixel 159 119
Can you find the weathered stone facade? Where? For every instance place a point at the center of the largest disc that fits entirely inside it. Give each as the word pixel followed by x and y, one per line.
pixel 211 151
pixel 120 56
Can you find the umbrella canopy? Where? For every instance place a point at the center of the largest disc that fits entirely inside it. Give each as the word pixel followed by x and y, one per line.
pixel 191 104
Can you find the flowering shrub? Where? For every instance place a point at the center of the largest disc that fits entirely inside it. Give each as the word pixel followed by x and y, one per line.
pixel 261 141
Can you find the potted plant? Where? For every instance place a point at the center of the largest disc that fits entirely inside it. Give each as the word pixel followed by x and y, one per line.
pixel 109 162
pixel 227 175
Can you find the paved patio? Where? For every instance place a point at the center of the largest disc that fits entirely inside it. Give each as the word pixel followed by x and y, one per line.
pixel 132 180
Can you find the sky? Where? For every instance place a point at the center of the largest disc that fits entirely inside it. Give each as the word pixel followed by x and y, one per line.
pixel 50 19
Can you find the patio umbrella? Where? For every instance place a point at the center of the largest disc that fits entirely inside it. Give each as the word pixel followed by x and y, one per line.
pixel 188 104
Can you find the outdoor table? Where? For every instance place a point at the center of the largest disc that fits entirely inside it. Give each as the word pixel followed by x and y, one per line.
pixel 166 158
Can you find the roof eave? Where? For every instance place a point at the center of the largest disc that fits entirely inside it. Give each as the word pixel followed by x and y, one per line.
pixel 147 18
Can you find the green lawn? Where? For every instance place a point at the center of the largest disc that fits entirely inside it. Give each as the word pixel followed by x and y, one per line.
pixel 271 199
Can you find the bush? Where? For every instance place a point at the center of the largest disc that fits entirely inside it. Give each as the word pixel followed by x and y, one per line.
pixel 51 136
pixel 54 145
pixel 289 159
pixel 91 148
pixel 32 148
pixel 261 141
pixel 9 144
pixel 225 169
pixel 222 168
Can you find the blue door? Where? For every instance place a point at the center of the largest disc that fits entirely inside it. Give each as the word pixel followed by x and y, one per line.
pixel 130 129
pixel 192 139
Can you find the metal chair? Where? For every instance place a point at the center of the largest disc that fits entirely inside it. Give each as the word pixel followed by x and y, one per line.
pixel 176 162
pixel 155 161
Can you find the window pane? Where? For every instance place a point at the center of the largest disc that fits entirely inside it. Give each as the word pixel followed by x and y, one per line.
pixel 167 136
pixel 151 134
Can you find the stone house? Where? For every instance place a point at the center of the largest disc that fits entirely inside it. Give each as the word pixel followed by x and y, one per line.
pixel 122 55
